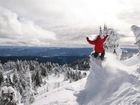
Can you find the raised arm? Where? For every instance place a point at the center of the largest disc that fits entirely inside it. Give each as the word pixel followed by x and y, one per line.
pixel 90 41
pixel 105 38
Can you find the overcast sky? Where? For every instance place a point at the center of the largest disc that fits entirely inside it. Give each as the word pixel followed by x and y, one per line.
pixel 64 23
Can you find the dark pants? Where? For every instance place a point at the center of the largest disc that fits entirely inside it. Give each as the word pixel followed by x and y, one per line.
pixel 102 54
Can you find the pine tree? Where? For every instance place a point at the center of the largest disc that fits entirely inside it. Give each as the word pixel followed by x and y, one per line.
pixel 1 74
pixel 38 78
pixel 29 95
pixel 100 32
pixel 79 75
pixel 44 71
pixel 105 32
pixel 1 77
pixel 15 78
pixel 9 80
pixel 112 42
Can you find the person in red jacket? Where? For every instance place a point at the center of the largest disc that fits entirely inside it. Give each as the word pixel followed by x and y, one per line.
pixel 99 46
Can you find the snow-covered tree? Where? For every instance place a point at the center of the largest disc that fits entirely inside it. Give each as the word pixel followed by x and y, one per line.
pixel 44 71
pixel 100 32
pixel 28 94
pixel 8 96
pixel 9 80
pixel 15 77
pixel 1 74
pixel 112 43
pixel 1 77
pixel 38 78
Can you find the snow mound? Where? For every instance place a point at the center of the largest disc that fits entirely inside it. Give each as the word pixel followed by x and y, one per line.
pixel 7 90
pixel 111 83
pixel 136 30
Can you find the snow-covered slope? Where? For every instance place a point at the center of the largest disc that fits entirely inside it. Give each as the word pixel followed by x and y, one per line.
pixel 65 95
pixel 110 82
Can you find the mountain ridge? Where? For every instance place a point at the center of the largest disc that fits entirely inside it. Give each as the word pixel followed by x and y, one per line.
pixel 50 51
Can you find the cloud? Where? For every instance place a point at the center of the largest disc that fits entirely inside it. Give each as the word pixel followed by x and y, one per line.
pixel 130 12
pixel 63 22
pixel 66 12
pixel 128 40
pixel 15 29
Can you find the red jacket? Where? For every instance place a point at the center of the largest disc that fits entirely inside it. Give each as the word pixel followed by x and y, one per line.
pixel 99 43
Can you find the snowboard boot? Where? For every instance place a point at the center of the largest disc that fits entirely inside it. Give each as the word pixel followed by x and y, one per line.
pixel 102 58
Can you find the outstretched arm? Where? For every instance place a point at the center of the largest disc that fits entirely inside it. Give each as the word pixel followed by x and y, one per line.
pixel 105 37
pixel 90 41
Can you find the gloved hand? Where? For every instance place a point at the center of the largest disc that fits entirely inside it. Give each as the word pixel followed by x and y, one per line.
pixel 87 38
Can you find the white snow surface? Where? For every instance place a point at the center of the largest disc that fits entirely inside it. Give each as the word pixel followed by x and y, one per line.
pixel 110 82
pixel 136 30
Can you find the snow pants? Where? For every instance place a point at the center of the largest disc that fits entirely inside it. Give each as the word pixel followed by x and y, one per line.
pixel 96 54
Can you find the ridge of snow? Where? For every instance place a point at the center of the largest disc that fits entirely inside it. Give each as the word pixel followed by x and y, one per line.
pixel 134 60
pixel 112 84
pixel 136 30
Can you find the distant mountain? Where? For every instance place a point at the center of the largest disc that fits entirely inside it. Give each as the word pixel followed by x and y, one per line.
pixel 129 50
pixel 43 51
pixel 54 55
pixel 52 51
pixel 55 59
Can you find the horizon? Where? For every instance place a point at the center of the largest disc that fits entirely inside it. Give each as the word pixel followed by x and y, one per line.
pixel 90 46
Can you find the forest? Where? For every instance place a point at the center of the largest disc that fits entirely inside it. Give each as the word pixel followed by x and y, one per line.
pixel 19 79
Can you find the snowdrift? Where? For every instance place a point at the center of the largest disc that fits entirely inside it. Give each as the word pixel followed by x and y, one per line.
pixel 111 83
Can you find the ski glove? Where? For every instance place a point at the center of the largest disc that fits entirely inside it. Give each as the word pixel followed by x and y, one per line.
pixel 87 38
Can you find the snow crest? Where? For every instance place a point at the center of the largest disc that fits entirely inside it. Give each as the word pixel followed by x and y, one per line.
pixel 136 30
pixel 112 83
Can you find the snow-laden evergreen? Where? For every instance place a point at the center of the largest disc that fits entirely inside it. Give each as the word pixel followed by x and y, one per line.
pixel 112 43
pixel 28 93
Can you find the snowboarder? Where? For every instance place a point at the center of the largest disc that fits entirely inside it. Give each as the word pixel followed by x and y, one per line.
pixel 99 46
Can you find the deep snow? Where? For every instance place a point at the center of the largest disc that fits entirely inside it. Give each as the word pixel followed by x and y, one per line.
pixel 111 82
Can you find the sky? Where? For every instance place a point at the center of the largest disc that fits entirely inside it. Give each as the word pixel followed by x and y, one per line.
pixel 65 23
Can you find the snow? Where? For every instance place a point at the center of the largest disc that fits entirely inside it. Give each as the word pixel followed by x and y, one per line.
pixel 6 89
pixel 132 61
pixel 110 82
pixel 65 95
pixel 11 89
pixel 136 30
pixel 50 83
pixel 107 82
